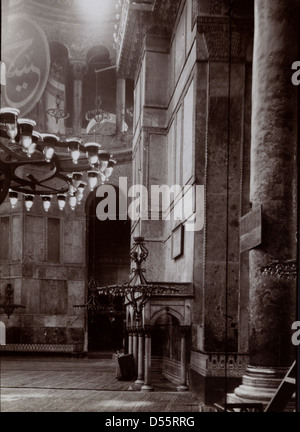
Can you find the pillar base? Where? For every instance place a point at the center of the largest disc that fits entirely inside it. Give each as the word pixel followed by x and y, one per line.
pixel 147 388
pixel 259 384
pixel 182 388
pixel 139 382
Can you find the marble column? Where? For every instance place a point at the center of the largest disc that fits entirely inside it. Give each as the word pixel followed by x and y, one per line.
pixel 129 330
pixel 78 71
pixel 135 347
pixel 120 104
pixel 147 386
pixel 272 305
pixel 183 363
pixel 140 371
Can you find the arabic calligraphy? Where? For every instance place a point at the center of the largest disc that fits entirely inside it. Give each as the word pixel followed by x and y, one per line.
pixel 27 58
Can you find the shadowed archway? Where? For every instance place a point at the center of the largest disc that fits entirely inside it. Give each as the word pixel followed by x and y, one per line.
pixel 108 260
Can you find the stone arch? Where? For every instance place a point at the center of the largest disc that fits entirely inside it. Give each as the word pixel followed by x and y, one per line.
pixel 169 311
pixel 165 340
pixel 108 261
pixel 57 49
pixel 98 52
pixel 2 333
pixel 99 89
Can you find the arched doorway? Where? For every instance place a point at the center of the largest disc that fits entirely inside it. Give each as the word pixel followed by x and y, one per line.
pixel 166 347
pixel 166 337
pixel 108 259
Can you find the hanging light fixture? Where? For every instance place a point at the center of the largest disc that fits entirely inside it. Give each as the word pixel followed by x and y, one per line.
pixel 46 201
pixel 110 167
pixel 92 179
pixel 100 173
pixel 102 177
pixel 73 201
pixel 48 172
pixel 92 153
pixel 13 198
pixel 71 189
pixel 61 200
pixel 28 201
pixel 25 129
pixel 76 179
pixel 74 148
pixel 80 190
pixel 36 137
pixel 103 157
pixel 57 112
pixel 9 126
pixel 49 142
pixel 81 187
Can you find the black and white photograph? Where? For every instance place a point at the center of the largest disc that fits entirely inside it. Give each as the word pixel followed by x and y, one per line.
pixel 149 209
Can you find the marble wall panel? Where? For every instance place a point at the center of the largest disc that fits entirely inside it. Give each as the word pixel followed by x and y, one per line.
pixel 55 321
pixel 31 295
pixel 75 335
pixel 76 295
pixel 156 84
pixel 76 273
pixel 180 46
pixel 188 135
pixel 16 237
pixel 35 237
pixel 4 235
pixel 157 161
pixel 56 272
pixel 53 297
pixel 74 241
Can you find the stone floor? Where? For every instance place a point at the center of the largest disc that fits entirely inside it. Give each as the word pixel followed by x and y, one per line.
pixel 35 383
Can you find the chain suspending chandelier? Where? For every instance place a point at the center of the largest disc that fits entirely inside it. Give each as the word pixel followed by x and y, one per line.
pixel 42 164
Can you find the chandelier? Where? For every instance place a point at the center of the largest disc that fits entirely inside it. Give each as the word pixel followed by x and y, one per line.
pixel 42 164
pixel 98 114
pixel 57 112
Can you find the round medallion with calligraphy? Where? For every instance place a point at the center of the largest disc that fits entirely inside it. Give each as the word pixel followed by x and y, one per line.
pixel 25 52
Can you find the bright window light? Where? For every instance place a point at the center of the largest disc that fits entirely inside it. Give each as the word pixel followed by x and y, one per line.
pixel 96 9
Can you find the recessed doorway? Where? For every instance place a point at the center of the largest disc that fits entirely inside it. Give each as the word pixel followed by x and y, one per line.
pixel 108 258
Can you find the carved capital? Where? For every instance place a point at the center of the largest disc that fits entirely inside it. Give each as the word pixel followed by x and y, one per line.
pixel 140 332
pixel 134 331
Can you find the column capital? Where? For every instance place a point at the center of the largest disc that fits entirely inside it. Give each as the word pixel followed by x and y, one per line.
pixel 140 331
